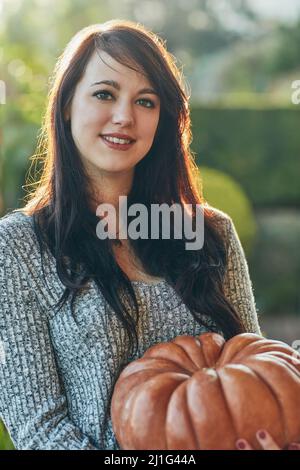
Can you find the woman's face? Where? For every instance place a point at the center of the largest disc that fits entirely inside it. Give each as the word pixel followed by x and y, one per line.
pixel 98 109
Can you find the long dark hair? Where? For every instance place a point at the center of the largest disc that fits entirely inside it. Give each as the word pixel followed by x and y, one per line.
pixel 168 174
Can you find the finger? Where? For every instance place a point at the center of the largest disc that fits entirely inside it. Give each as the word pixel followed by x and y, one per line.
pixel 242 444
pixel 294 446
pixel 266 441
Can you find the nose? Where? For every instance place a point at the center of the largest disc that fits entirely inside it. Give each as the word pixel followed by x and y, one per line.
pixel 123 115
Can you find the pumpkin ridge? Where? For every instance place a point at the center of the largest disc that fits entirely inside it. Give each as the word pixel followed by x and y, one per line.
pixel 205 353
pixel 197 341
pixel 178 401
pixel 155 372
pixel 282 361
pixel 275 356
pixel 285 382
pixel 269 386
pixel 190 417
pixel 287 358
pixel 161 352
pixel 151 363
pixel 226 403
pixel 189 357
pixel 237 344
pixel 139 389
pixel 263 346
pixel 158 373
pixel 184 371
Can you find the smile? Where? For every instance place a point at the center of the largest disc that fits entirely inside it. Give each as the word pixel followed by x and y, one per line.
pixel 117 144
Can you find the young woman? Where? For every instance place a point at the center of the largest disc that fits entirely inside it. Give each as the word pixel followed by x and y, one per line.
pixel 75 308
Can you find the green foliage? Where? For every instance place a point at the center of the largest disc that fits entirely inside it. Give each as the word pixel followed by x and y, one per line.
pixel 32 41
pixel 259 65
pixel 5 441
pixel 259 148
pixel 286 55
pixel 222 192
pixel 276 262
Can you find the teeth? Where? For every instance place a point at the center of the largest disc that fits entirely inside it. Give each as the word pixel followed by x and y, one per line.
pixel 116 140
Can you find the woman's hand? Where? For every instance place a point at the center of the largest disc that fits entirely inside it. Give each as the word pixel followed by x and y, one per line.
pixel 266 441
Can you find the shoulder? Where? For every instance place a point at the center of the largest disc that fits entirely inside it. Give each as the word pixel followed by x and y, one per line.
pixel 221 219
pixel 217 214
pixel 15 218
pixel 17 232
pixel 224 224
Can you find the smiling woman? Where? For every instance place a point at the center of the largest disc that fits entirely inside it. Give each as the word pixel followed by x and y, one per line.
pixel 96 113
pixel 75 309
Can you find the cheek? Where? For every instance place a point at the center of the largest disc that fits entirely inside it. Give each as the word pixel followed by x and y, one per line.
pixel 87 118
pixel 150 127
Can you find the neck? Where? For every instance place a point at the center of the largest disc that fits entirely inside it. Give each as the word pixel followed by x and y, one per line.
pixel 108 187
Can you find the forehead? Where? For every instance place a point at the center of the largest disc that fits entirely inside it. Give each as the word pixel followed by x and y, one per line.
pixel 102 66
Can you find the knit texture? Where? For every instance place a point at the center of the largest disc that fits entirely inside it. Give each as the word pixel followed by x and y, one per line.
pixel 57 374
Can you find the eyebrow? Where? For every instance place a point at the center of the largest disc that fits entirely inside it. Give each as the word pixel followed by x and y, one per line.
pixel 117 86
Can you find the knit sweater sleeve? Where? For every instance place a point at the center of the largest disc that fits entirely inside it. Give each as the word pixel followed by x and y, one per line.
pixel 237 283
pixel 32 403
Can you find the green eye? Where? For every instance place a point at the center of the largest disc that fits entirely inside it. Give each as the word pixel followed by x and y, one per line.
pixel 149 102
pixel 103 94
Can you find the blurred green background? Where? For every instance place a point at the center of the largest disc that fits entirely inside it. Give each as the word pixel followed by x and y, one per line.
pixel 239 59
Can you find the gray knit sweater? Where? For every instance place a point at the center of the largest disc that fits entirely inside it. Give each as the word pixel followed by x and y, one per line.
pixel 57 374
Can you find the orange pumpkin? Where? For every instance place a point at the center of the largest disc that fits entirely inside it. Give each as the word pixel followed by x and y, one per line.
pixel 201 392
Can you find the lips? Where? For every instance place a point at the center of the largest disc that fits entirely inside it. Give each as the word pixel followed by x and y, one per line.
pixel 118 136
pixel 114 146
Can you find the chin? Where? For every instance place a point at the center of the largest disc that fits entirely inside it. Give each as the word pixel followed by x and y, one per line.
pixel 114 168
